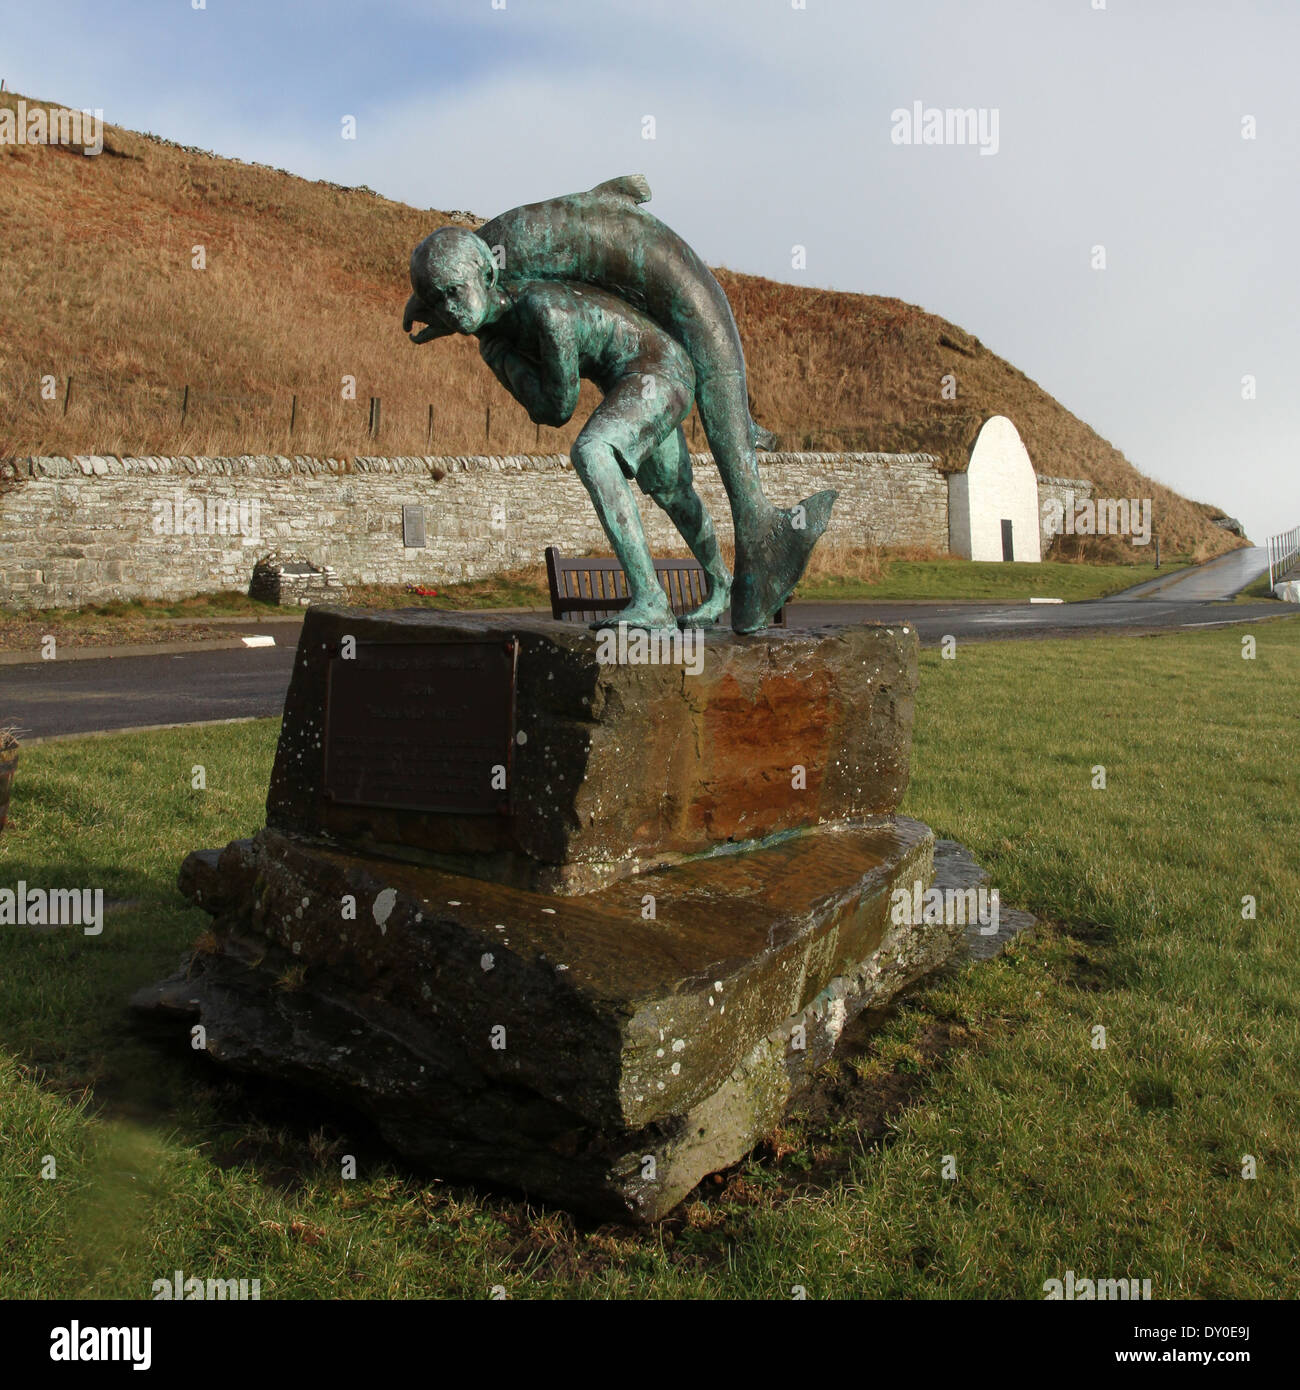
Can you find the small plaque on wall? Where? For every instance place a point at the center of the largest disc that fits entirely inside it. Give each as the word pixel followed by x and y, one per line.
pixel 413 528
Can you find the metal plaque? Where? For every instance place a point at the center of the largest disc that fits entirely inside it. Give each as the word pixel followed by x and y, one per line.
pixel 413 527
pixel 422 726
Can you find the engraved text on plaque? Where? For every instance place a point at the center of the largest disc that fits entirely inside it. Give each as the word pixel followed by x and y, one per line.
pixel 421 726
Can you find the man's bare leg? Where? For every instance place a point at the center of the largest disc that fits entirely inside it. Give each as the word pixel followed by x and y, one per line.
pixel 672 487
pixel 683 504
pixel 597 465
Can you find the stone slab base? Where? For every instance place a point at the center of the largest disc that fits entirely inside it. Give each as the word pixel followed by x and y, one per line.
pixel 605 1052
pixel 588 759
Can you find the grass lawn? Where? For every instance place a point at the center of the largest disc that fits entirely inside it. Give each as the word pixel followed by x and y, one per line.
pixel 188 619
pixel 1252 593
pixel 1118 1162
pixel 128 621
pixel 983 579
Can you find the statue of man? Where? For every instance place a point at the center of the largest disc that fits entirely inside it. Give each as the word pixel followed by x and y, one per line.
pixel 541 340
pixel 603 238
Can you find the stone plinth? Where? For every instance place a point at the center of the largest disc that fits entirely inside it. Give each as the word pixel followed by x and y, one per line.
pixel 580 1049
pixel 613 767
pixel 572 925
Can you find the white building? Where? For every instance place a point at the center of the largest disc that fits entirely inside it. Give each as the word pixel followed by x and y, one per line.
pixel 993 506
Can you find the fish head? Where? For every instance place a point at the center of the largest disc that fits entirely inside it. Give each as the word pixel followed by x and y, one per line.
pixel 417 311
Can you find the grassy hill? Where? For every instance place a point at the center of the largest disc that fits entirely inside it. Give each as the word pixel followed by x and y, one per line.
pixel 304 284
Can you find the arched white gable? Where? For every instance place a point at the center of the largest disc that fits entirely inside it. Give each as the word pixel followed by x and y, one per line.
pixel 999 486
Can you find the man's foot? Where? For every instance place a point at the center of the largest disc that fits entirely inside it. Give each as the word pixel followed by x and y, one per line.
pixel 652 612
pixel 712 608
pixel 769 565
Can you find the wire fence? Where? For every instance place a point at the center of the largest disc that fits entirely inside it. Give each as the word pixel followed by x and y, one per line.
pixel 86 407
pixel 183 402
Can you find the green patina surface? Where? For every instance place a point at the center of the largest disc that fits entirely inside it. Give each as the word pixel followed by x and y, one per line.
pixel 591 286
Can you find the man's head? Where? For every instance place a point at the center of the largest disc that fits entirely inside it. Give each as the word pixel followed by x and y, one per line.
pixel 453 275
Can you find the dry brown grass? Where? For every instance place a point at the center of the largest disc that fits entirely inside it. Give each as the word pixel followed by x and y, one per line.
pixel 832 560
pixel 305 283
pixel 1118 550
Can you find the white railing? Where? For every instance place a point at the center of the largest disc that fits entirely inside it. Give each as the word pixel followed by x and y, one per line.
pixel 1283 551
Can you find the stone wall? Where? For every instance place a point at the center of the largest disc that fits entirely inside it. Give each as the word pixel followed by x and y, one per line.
pixel 90 529
pixel 1066 493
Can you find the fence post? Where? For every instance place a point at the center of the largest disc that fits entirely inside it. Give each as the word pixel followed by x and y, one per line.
pixel 429 438
pixel 374 417
pixel 293 415
pixel 185 402
pixel 67 395
pixel 487 424
pixel 1283 550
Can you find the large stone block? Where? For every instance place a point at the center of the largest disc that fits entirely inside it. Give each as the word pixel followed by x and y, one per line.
pixel 575 1048
pixel 607 767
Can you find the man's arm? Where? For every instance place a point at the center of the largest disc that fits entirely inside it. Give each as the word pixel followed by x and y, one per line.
pixel 548 387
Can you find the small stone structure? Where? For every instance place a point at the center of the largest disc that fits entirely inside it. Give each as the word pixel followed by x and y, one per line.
pixel 622 765
pixel 293 581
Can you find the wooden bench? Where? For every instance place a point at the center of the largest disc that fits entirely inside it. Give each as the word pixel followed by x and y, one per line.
pixel 584 587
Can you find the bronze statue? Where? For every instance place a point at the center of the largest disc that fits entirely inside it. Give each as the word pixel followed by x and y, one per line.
pixel 590 285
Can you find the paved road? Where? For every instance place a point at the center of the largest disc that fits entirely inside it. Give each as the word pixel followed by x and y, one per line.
pixel 1221 578
pixel 974 622
pixel 67 697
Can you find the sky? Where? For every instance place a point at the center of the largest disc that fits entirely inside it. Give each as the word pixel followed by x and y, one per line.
pixel 1120 124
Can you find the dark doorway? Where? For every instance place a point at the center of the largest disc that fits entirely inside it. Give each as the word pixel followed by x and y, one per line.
pixel 1008 550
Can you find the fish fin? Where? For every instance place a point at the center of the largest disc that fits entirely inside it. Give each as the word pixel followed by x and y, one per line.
pixel 763 439
pixel 634 186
